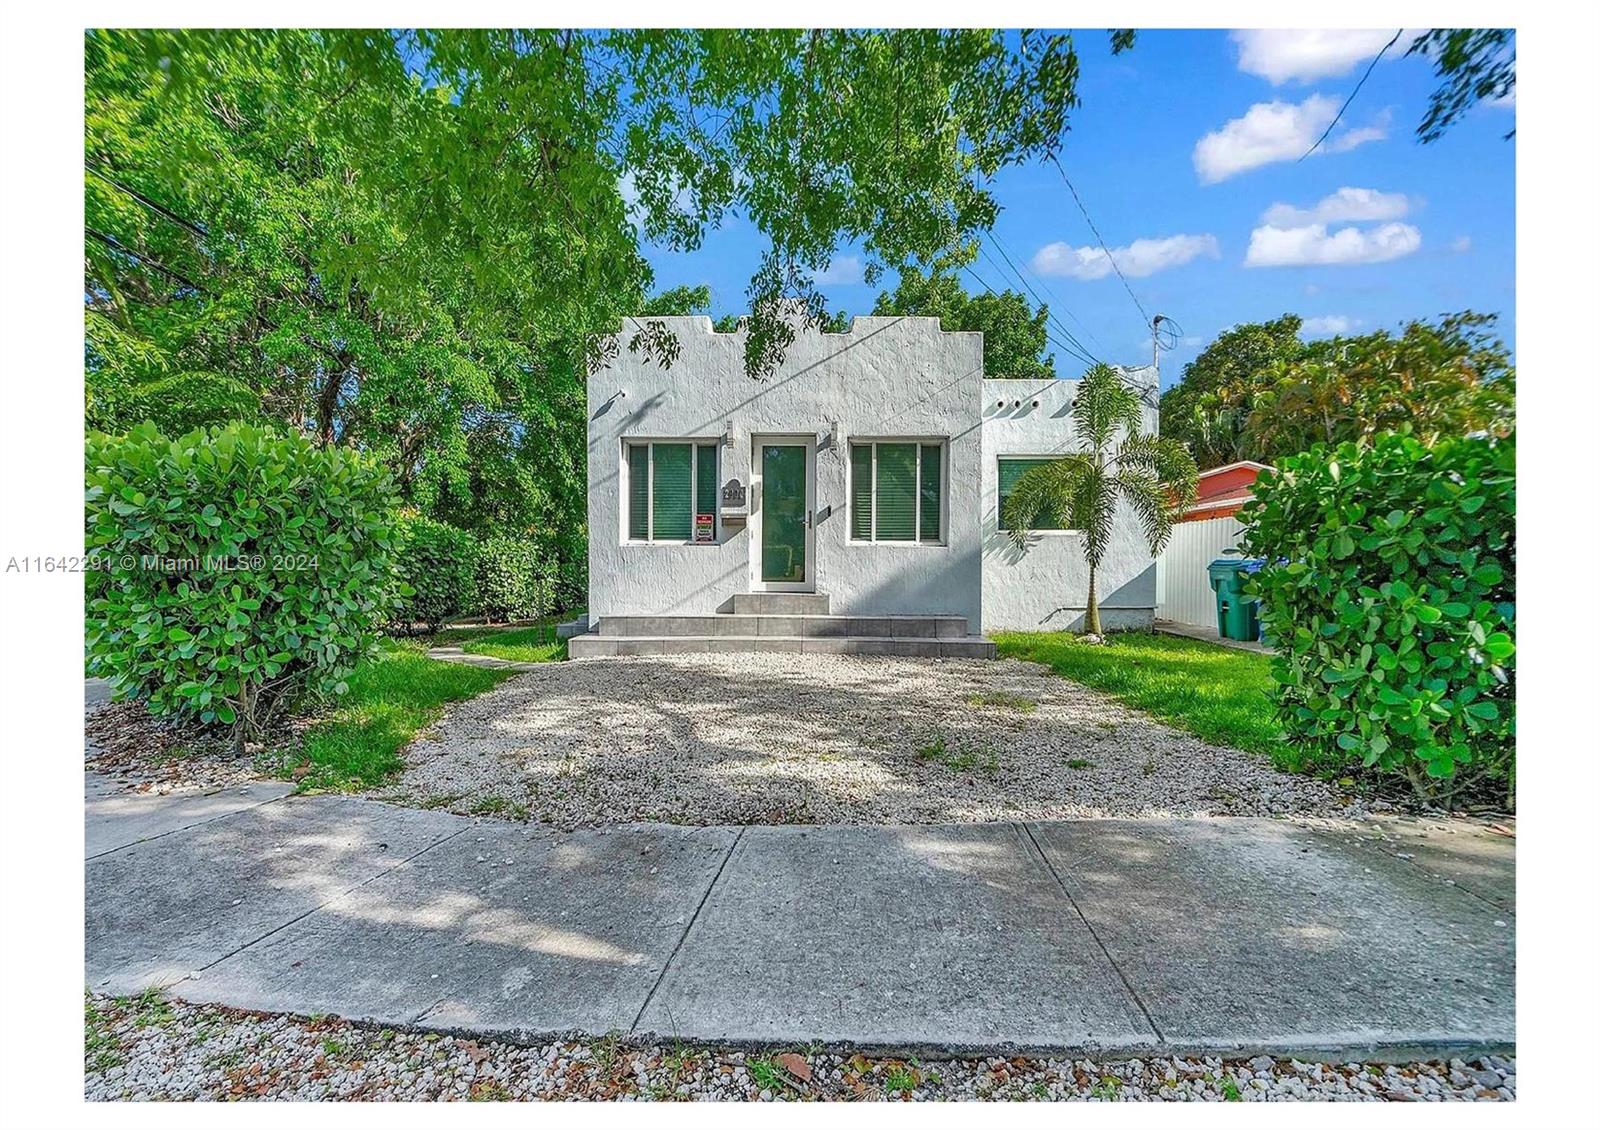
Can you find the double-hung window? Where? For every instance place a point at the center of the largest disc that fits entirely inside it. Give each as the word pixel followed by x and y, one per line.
pixel 897 491
pixel 672 490
pixel 1012 469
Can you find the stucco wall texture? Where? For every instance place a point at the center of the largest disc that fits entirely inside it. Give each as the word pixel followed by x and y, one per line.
pixel 886 378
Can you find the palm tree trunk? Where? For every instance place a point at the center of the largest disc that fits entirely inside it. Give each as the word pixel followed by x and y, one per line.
pixel 1091 617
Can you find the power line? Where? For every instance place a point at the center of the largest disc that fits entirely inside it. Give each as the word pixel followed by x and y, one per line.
pixel 1072 348
pixel 1048 306
pixel 1353 94
pixel 1110 258
pixel 1082 349
pixel 1000 246
pixel 1071 351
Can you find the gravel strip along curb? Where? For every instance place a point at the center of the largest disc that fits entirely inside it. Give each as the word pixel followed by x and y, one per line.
pixel 150 1048
pixel 827 739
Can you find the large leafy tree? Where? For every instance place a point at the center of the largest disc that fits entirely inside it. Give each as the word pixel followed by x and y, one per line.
pixel 1436 380
pixel 418 242
pixel 1259 392
pixel 1015 334
pixel 1117 463
pixel 1209 408
pixel 1472 64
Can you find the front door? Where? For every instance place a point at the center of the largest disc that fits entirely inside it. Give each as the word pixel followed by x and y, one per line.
pixel 785 471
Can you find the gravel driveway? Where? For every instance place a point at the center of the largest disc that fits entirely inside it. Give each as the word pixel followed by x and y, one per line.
pixel 815 739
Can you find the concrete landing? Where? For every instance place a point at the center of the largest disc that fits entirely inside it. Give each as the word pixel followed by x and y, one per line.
pixel 594 645
pixel 456 655
pixel 1099 936
pixel 782 622
pixel 1209 635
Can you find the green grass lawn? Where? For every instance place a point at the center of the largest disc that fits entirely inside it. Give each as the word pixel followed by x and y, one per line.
pixel 536 643
pixel 1218 693
pixel 391 697
pixel 399 692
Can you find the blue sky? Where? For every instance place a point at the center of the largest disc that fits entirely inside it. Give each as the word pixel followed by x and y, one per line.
pixel 1423 230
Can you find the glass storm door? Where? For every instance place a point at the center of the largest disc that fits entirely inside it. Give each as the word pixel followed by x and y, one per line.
pixel 786 514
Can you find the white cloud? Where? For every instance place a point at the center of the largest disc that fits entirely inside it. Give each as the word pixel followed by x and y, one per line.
pixel 1461 244
pixel 1140 258
pixel 1276 131
pixel 1329 325
pixel 1312 245
pixel 1343 206
pixel 1280 55
pixel 845 270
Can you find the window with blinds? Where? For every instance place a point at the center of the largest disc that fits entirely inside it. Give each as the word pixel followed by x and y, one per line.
pixel 1012 469
pixel 897 491
pixel 669 484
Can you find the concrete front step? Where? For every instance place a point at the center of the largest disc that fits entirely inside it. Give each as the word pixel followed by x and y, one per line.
pixel 780 604
pixel 595 646
pixel 736 624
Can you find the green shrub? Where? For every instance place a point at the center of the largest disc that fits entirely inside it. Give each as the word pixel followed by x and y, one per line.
pixel 440 564
pixel 572 575
pixel 242 568
pixel 1390 594
pixel 516 581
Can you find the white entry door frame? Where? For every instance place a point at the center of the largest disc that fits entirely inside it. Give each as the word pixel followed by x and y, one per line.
pixel 783 507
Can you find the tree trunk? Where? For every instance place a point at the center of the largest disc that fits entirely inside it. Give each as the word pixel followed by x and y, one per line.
pixel 328 401
pixel 241 721
pixel 1091 616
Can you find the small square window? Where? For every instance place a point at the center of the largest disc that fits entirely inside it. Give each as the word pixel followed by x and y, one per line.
pixel 672 491
pixel 897 491
pixel 1013 468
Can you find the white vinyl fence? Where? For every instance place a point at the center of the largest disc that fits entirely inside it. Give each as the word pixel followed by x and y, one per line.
pixel 1183 589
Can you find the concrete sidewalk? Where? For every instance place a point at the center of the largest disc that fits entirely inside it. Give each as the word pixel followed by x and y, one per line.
pixel 1209 635
pixel 1098 935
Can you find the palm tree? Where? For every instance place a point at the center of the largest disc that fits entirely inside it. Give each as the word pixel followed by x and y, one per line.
pixel 1117 463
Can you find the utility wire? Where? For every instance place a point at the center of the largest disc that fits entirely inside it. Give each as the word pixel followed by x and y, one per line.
pixel 1353 94
pixel 1074 353
pixel 1049 308
pixel 1112 259
pixel 1071 348
pixel 1000 246
pixel 1082 350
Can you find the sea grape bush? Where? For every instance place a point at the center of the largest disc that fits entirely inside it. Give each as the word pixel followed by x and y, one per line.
pixel 516 580
pixel 1390 593
pixel 439 563
pixel 238 569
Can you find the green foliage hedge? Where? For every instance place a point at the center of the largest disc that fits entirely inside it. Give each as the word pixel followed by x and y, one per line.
pixel 1390 594
pixel 242 567
pixel 440 565
pixel 516 581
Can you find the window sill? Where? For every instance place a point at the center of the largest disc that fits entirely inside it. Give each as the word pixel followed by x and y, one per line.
pixel 902 544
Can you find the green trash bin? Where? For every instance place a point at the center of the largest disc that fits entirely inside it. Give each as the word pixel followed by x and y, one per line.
pixel 1236 613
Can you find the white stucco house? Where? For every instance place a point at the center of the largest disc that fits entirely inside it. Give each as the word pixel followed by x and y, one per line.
pixel 850 501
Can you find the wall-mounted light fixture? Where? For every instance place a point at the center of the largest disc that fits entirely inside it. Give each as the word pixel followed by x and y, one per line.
pixel 727 433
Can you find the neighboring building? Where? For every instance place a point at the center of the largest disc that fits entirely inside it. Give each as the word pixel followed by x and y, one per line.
pixel 847 502
pixel 1223 490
